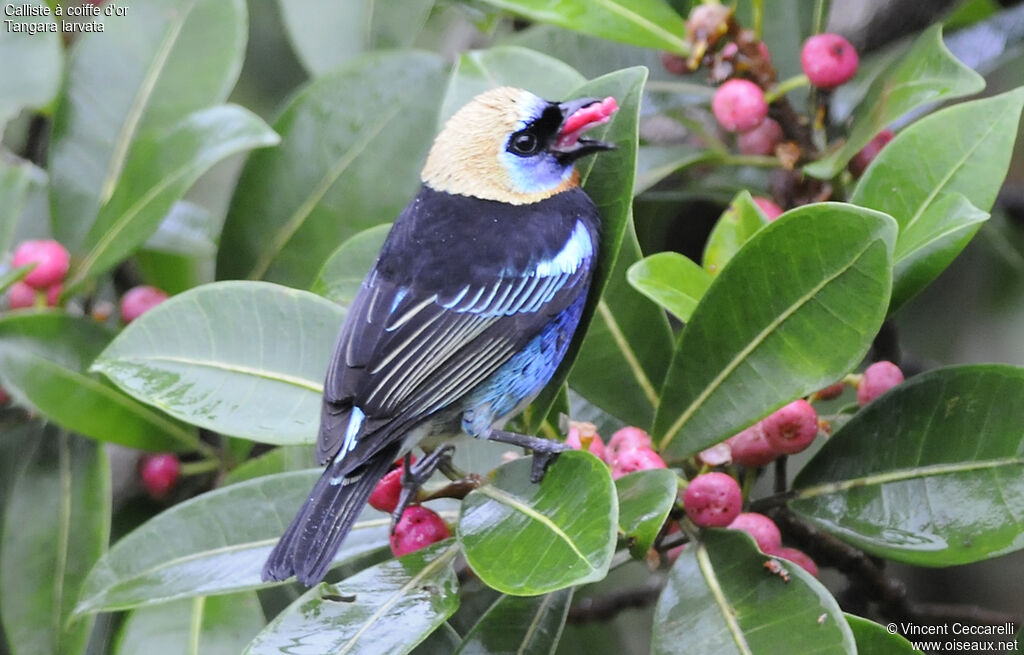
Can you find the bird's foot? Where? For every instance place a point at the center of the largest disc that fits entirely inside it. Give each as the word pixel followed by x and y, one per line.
pixel 414 475
pixel 545 451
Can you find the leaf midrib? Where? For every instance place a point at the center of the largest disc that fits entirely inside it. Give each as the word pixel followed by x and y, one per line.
pixel 107 364
pixel 707 570
pixel 517 504
pixel 138 106
pixel 298 218
pixel 122 222
pixel 756 342
pixel 901 475
pixel 444 558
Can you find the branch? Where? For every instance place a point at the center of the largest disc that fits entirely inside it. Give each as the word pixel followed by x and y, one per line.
pixel 602 608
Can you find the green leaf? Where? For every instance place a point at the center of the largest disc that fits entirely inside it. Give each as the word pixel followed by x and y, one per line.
pixel 608 180
pixel 327 33
pixel 56 524
pixel 524 626
pixel 32 66
pixel 589 55
pixel 388 608
pixel 171 58
pixel 735 227
pixel 928 73
pixel 647 23
pixel 181 253
pixel 672 280
pixel 796 309
pixel 627 348
pixel 873 638
pixel 14 275
pixel 43 361
pixel 15 180
pixel 160 168
pixel 283 459
pixel 721 599
pixel 904 478
pixel 442 641
pixel 923 176
pixel 241 358
pixel 215 543
pixel 926 248
pixel 221 625
pixel 343 272
pixel 352 143
pixel 645 499
pixel 655 163
pixel 480 70
pixel 526 539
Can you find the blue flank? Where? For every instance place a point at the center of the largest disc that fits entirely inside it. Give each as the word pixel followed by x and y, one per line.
pixel 523 376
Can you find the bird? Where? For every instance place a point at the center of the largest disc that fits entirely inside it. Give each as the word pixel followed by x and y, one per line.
pixel 468 310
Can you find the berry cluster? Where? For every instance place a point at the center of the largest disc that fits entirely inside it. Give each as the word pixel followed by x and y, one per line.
pixel 750 102
pixel 42 286
pixel 419 526
pixel 714 498
pixel 792 428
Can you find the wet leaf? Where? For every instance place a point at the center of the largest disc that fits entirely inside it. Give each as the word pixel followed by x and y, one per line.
pixel 523 538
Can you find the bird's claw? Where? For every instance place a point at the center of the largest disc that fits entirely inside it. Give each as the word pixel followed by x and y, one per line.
pixel 414 475
pixel 541 462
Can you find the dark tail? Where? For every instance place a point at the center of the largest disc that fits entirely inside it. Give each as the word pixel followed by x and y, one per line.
pixel 312 540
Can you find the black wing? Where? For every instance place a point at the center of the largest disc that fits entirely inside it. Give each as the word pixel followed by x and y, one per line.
pixel 430 324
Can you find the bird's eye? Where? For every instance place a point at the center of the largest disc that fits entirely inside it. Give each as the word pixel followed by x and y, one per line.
pixel 524 144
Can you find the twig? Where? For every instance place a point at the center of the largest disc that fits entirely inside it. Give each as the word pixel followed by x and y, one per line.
pixel 780 474
pixel 602 608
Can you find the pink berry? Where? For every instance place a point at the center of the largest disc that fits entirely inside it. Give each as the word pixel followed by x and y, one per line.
pixel 713 500
pixel 761 528
pixel 770 209
pixel 139 300
pixel 385 495
pixel 828 60
pixel 830 392
pixel 159 473
pixel 51 260
pixel 739 105
pixel 761 140
pixel 798 557
pixel 418 528
pixel 877 379
pixel 584 436
pixel 624 440
pixel 637 459
pixel 792 428
pixel 751 449
pixel 762 49
pixel 867 154
pixel 21 295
